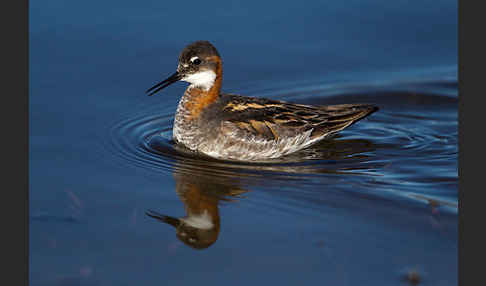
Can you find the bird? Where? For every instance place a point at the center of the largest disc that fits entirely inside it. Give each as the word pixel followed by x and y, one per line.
pixel 234 127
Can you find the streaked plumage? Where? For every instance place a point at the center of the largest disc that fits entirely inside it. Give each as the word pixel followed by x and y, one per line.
pixel 235 127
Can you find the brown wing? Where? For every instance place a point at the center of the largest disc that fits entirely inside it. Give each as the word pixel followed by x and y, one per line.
pixel 273 119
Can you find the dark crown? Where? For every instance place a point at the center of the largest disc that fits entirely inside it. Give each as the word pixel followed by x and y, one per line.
pixel 199 48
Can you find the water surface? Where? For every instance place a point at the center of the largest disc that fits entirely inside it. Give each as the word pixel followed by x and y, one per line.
pixel 369 206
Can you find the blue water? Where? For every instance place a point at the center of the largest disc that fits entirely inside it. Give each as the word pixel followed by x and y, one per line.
pixel 368 207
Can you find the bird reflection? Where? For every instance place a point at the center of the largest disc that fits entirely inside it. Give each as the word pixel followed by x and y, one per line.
pixel 201 195
pixel 203 183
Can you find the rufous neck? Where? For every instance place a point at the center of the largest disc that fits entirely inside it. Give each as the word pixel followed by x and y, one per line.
pixel 199 97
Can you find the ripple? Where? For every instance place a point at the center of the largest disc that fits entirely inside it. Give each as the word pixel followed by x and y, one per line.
pixel 396 144
pixel 145 141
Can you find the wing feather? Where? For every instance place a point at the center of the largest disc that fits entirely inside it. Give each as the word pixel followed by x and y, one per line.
pixel 273 120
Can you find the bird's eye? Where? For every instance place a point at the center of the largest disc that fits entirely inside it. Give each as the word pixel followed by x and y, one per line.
pixel 196 61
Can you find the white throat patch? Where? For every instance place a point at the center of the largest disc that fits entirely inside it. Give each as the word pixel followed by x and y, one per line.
pixel 204 79
pixel 202 221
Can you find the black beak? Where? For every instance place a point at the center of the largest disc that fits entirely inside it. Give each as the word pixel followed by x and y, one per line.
pixel 163 218
pixel 173 78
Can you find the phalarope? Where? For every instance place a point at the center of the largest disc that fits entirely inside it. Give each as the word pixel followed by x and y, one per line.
pixel 235 127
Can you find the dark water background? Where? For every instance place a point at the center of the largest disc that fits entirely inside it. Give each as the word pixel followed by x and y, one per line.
pixel 368 207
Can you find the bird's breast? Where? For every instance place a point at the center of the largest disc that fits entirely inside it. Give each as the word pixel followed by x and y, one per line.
pixel 191 128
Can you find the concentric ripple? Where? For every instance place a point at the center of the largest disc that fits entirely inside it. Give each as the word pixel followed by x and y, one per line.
pixel 408 147
pixel 145 141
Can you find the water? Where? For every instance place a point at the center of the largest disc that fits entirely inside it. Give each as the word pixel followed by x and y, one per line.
pixel 371 206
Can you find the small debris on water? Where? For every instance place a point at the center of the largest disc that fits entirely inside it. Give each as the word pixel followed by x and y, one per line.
pixel 412 277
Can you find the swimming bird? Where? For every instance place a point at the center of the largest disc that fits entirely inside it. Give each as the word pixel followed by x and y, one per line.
pixel 234 127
